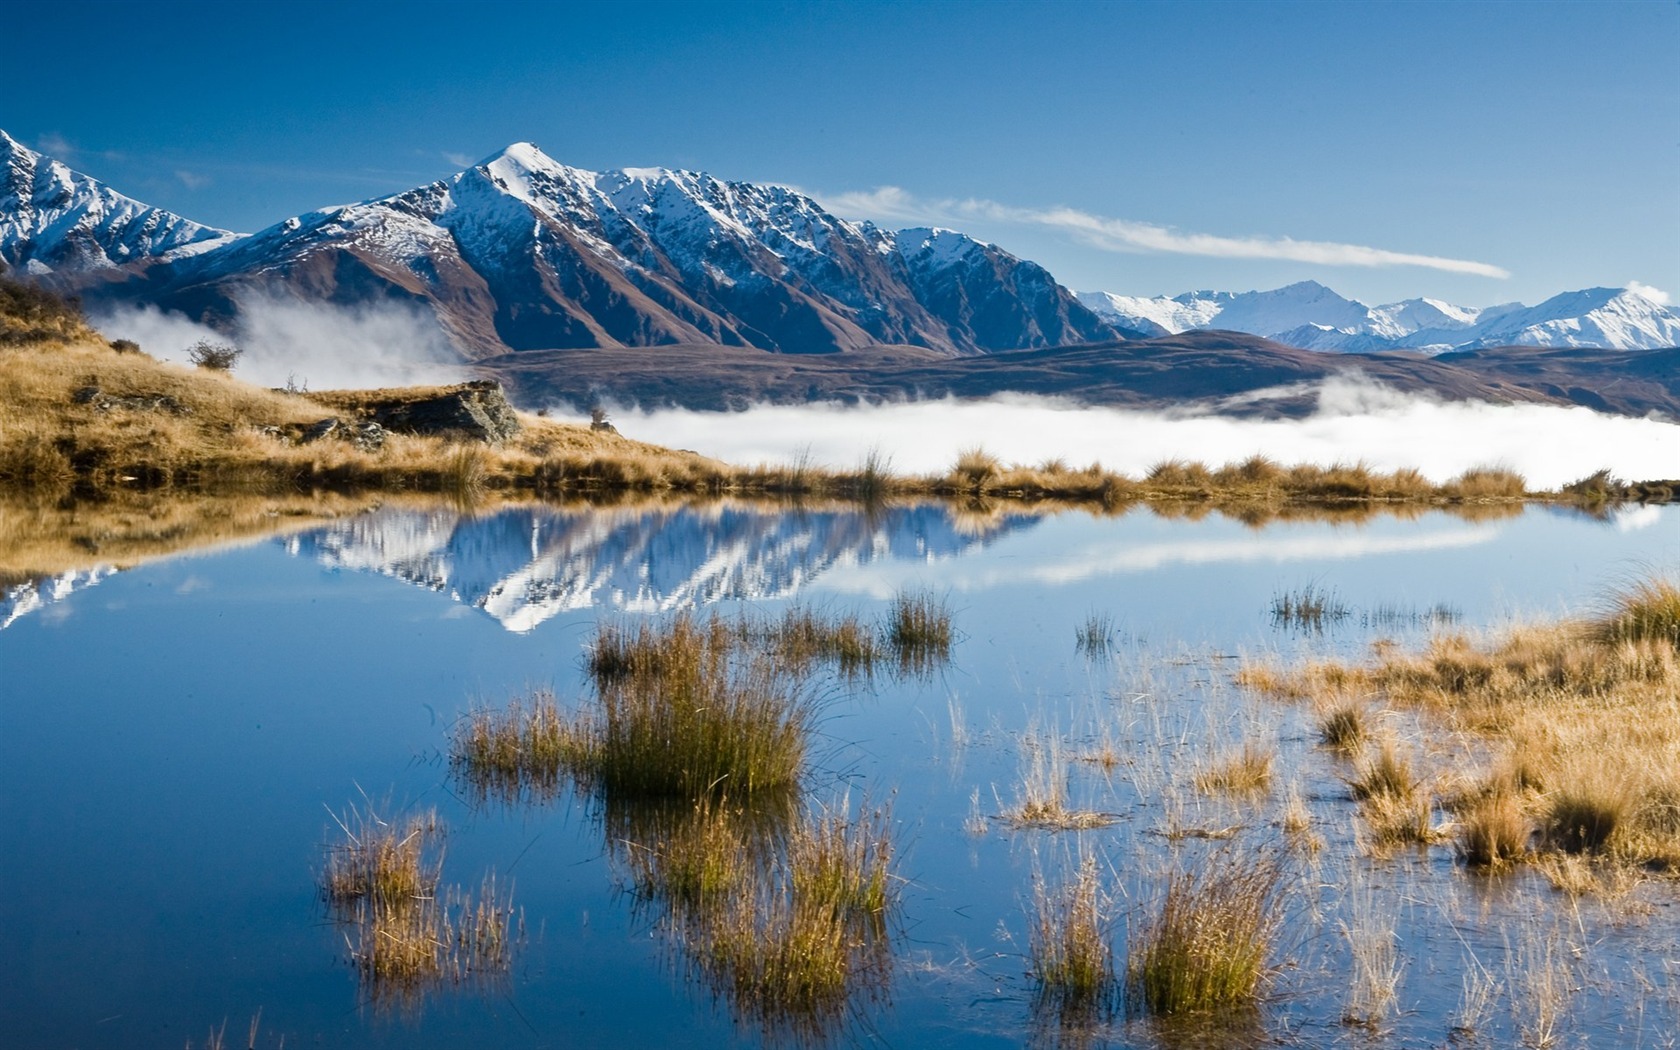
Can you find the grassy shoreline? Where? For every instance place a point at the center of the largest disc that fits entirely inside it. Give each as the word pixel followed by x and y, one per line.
pixel 87 419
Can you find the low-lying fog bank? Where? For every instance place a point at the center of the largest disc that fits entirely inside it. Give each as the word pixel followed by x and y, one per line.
pixel 1551 446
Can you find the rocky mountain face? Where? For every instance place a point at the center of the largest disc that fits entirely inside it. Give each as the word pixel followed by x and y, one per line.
pixel 1311 316
pixel 57 221
pixel 521 253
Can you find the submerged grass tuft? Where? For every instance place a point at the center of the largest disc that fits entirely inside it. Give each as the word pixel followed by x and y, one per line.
pixel 1095 636
pixel 1246 771
pixel 519 753
pixel 1204 943
pixel 406 933
pixel 918 630
pixel 1069 946
pixel 1312 608
pixel 680 713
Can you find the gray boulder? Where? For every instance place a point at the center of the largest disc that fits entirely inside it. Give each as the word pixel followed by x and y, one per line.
pixel 476 410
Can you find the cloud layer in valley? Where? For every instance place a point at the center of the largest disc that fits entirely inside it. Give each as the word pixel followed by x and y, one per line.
pixel 892 204
pixel 1355 421
pixel 287 342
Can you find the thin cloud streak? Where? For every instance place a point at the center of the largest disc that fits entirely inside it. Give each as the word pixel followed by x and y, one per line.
pixel 892 204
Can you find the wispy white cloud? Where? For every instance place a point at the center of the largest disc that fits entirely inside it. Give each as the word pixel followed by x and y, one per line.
pixel 1656 295
pixel 56 146
pixel 893 204
pixel 292 341
pixel 460 160
pixel 191 179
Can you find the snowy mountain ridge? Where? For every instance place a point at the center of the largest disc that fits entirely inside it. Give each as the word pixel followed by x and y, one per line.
pixel 1312 316
pixel 522 252
pixel 53 218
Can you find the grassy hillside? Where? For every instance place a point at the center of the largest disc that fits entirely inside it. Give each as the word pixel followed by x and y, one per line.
pixel 85 416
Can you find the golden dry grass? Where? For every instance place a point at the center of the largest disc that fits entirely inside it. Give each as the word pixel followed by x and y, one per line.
pixel 1244 771
pixel 207 429
pixel 1581 717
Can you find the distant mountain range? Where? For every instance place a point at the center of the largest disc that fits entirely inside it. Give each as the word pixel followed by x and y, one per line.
pixel 671 287
pixel 1311 316
pixel 521 253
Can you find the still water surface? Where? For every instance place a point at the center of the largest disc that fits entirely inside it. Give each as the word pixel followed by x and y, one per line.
pixel 173 736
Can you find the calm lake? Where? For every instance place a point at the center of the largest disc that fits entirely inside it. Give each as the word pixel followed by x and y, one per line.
pixel 177 738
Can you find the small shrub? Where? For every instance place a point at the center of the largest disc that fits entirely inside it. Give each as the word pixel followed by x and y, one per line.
pixel 125 346
pixel 216 357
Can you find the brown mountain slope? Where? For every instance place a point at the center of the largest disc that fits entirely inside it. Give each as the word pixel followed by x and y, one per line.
pixel 1228 371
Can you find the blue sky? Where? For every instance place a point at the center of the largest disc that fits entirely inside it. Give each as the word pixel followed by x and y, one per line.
pixel 1387 150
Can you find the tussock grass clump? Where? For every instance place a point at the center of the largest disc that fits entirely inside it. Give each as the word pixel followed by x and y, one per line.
pixel 975 469
pixel 1204 943
pixel 1483 483
pixel 408 934
pixel 1584 816
pixel 1246 771
pixel 1342 726
pixel 803 636
pixel 798 945
pixel 918 630
pixel 680 713
pixel 1070 948
pixel 385 863
pixel 1493 832
pixel 518 753
pixel 1395 808
pixel 1644 610
pixel 1386 774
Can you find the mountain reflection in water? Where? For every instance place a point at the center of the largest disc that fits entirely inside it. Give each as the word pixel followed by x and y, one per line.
pixel 524 565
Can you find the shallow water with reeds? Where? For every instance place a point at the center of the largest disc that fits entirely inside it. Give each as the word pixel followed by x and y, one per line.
pixel 181 743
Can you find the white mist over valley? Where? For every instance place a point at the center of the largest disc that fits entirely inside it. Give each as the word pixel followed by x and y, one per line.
pixel 1355 422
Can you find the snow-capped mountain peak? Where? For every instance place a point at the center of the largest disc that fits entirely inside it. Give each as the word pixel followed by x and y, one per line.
pixel 522 252
pixel 53 218
pixel 1309 315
